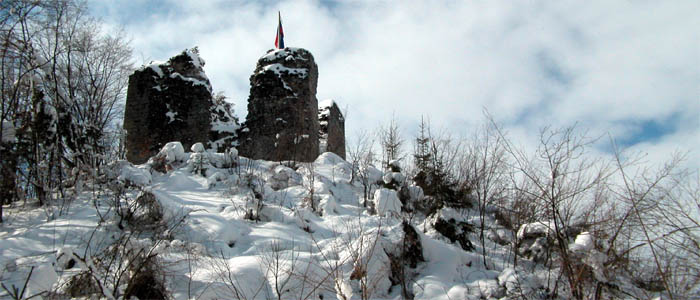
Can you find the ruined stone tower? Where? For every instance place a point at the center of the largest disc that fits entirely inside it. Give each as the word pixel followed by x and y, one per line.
pixel 332 128
pixel 172 101
pixel 282 121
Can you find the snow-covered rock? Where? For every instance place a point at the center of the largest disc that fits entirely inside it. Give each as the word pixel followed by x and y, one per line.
pixel 395 177
pixel 387 202
pixel 536 229
pixel 367 262
pixel 283 177
pixel 515 283
pixel 173 152
pixel 125 172
pixel 583 243
pixel 197 148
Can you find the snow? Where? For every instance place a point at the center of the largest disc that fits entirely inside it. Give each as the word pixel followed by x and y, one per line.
pixel 197 147
pixel 194 81
pixel 170 114
pixel 137 175
pixel 197 60
pixel 279 53
pixel 583 243
pixel 173 151
pixel 224 127
pixel 42 279
pixel 281 70
pixel 514 282
pixel 368 259
pixel 326 103
pixel 395 163
pixel 155 66
pixel 445 268
pixel 387 202
pixel 393 176
pixel 8 132
pixel 335 247
pixel 535 229
pixel 415 192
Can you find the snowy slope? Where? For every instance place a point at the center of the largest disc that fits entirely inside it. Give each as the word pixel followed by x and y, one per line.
pixel 228 227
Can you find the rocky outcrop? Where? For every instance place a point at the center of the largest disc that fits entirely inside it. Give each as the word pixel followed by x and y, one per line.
pixel 282 121
pixel 332 128
pixel 455 231
pixel 173 101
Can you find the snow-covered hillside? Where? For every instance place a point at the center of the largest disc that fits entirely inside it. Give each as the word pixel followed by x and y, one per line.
pixel 199 225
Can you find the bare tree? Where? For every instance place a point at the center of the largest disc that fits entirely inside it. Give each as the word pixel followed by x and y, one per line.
pixel 654 227
pixel 361 155
pixel 280 264
pixel 482 172
pixel 560 176
pixel 17 66
pixel 311 200
pixel 62 77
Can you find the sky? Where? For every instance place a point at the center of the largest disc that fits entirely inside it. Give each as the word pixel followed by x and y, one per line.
pixel 626 70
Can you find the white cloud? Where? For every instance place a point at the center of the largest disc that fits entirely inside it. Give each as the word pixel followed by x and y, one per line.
pixel 608 65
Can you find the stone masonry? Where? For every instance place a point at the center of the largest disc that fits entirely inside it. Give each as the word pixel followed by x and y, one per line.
pixel 171 101
pixel 332 128
pixel 282 121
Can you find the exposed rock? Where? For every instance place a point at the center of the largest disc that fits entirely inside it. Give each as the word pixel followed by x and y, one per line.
pixel 283 177
pixel 409 254
pixel 224 125
pixel 8 176
pixel 535 240
pixel 146 212
pixel 393 180
pixel 173 101
pixel 413 249
pixel 410 195
pixel 282 121
pixel 147 279
pixel 455 231
pixel 332 128
pixel 81 285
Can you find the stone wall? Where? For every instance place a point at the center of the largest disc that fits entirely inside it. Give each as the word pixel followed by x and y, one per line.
pixel 332 128
pixel 171 101
pixel 282 121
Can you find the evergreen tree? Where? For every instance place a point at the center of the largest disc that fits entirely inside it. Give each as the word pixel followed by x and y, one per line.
pixel 431 175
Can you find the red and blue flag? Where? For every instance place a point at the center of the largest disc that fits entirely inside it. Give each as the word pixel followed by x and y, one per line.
pixel 279 39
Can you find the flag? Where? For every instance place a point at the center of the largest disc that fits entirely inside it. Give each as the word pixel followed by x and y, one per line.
pixel 279 39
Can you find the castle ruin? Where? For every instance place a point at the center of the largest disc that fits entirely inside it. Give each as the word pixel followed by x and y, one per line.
pixel 173 101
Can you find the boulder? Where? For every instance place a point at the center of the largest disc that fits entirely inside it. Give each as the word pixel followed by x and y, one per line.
pixel 455 231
